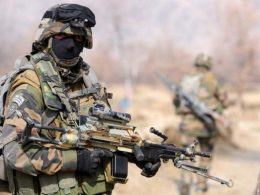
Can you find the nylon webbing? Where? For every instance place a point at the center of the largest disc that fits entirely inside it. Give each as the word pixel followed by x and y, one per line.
pixel 83 92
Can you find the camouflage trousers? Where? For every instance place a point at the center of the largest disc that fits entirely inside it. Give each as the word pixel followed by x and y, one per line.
pixel 206 144
pixel 4 188
pixel 58 184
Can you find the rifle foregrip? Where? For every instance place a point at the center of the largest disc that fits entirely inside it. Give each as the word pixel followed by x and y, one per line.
pixel 139 155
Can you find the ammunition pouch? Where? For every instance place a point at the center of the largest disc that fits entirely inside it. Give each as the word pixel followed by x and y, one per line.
pixel 24 184
pixel 68 183
pixel 2 168
pixel 61 183
pixel 116 170
pixel 48 184
pixel 96 184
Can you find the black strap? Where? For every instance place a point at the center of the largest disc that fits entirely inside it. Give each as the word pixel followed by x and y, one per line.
pixel 48 116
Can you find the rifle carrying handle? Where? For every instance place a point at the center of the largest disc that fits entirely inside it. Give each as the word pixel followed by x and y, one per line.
pixel 139 155
pixel 158 133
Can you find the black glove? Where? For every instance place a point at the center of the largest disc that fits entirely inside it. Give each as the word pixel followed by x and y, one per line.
pixel 149 169
pixel 88 161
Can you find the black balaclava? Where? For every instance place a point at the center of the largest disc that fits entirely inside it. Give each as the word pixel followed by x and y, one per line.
pixel 66 51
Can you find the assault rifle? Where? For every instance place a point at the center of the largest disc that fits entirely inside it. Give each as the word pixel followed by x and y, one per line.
pixel 106 129
pixel 213 121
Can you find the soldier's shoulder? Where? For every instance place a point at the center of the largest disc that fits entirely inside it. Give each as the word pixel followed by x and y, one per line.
pixel 26 78
pixel 29 76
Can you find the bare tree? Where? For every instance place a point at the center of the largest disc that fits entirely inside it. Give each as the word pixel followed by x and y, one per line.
pixel 235 46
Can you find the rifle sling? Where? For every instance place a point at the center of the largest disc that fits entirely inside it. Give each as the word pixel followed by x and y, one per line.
pixel 83 92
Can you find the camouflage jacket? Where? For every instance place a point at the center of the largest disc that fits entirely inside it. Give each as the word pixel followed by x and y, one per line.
pixel 204 87
pixel 41 95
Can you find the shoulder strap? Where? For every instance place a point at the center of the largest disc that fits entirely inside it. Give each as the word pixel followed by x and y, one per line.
pixel 93 86
pixel 91 81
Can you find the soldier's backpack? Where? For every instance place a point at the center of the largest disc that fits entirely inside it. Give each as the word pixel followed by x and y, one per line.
pixel 21 65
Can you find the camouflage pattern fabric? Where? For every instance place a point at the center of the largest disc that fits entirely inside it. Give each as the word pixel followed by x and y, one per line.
pixel 206 88
pixel 49 27
pixel 207 91
pixel 43 162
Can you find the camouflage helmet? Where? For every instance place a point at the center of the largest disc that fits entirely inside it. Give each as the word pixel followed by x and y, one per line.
pixel 71 19
pixel 203 60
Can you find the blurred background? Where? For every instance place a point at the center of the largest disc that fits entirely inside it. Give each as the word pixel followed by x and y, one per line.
pixel 134 39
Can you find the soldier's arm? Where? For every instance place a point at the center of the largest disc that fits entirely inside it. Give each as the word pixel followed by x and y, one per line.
pixel 215 89
pixel 32 158
pixel 221 95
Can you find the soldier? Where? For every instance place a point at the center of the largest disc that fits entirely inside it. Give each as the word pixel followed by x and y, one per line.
pixel 55 87
pixel 204 87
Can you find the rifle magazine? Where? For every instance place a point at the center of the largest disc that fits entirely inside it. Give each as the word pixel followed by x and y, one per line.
pixel 116 170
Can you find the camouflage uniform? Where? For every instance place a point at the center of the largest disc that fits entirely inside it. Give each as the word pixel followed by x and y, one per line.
pixel 203 86
pixel 41 94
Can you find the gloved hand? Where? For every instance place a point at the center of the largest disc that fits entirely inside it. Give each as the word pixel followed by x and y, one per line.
pixel 149 169
pixel 88 161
